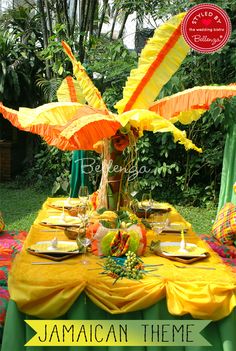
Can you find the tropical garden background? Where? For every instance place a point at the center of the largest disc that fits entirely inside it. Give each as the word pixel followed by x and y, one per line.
pixel 33 65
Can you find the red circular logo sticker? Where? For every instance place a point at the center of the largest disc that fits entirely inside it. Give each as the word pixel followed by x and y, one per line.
pixel 206 28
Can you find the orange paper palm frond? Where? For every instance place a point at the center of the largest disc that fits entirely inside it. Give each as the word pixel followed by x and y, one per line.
pixel 190 104
pixel 159 60
pixel 11 115
pixel 70 90
pixel 67 125
pixel 83 132
pixel 90 92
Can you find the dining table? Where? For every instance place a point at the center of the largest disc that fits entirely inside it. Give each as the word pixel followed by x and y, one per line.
pixel 42 289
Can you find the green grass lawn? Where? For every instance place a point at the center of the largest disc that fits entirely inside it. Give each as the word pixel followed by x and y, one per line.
pixel 201 218
pixel 20 206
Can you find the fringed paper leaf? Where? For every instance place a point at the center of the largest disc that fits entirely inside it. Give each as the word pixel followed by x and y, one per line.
pixel 67 125
pixel 159 60
pixel 150 121
pixel 90 92
pixel 11 115
pixel 190 104
pixel 70 90
pixel 54 113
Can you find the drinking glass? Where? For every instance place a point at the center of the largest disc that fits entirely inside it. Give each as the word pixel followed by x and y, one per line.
pixel 146 202
pixel 160 222
pixel 134 188
pixel 84 197
pixel 83 194
pixel 83 243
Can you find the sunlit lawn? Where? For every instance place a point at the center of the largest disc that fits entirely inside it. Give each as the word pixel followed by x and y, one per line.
pixel 20 206
pixel 201 218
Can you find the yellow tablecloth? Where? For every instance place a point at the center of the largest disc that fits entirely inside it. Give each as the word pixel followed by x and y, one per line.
pixel 49 291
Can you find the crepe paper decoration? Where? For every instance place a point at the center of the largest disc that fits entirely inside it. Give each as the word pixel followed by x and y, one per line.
pixel 90 92
pixel 70 90
pixel 149 121
pixel 159 60
pixel 66 125
pixel 73 126
pixel 76 126
pixel 188 105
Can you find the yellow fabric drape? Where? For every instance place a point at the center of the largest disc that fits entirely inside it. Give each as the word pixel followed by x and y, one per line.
pixel 48 291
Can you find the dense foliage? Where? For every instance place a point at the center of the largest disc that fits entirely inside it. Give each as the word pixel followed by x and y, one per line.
pixel 32 60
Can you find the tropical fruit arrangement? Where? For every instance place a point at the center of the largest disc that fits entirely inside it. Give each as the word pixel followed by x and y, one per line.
pixel 114 233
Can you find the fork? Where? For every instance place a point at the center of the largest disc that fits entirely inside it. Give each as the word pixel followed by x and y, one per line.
pixel 198 267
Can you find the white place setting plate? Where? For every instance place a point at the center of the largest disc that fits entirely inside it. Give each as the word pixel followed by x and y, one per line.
pixel 64 221
pixel 66 203
pixel 62 247
pixel 171 249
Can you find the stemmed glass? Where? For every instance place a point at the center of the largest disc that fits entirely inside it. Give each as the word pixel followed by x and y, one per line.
pixel 146 202
pixel 161 221
pixel 83 243
pixel 134 188
pixel 83 196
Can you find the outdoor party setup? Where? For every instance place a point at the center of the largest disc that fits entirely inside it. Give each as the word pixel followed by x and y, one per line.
pixel 141 262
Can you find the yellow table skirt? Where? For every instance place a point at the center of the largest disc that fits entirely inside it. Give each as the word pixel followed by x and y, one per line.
pixel 48 291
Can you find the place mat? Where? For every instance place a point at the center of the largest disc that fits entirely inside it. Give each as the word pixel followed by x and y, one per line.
pixel 68 203
pixel 171 248
pixel 193 254
pixel 186 260
pixel 55 246
pixel 62 251
pixel 53 256
pixel 175 228
pixel 59 221
pixel 157 207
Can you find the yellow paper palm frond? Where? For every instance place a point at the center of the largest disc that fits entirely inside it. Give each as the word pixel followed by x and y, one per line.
pixel 90 92
pixel 150 121
pixel 188 105
pixel 70 90
pixel 159 60
pixel 54 113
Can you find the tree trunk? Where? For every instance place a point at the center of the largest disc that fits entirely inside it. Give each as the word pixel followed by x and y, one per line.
pixel 58 12
pixel 40 6
pixel 104 9
pixel 84 8
pixel 92 16
pixel 114 23
pixel 73 17
pixel 67 20
pixel 49 18
pixel 123 25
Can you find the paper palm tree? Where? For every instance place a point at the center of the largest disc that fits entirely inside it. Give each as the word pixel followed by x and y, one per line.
pixel 74 125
